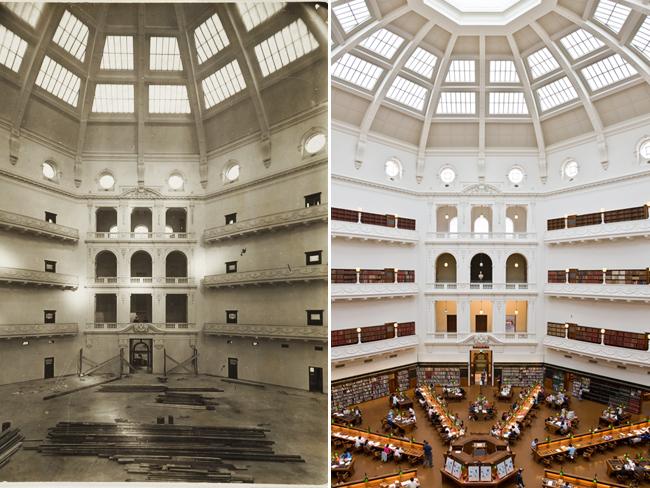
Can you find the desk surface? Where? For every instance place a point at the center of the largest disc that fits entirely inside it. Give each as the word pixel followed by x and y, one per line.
pixel 553 479
pixel 349 434
pixel 381 480
pixel 431 401
pixel 522 410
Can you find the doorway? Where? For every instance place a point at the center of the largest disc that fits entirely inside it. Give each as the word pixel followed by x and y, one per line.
pixel 480 364
pixel 315 379
pixel 481 323
pixel 232 368
pixel 141 355
pixel 452 325
pixel 48 368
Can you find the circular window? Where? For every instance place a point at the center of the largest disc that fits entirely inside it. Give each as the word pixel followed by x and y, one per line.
pixel 49 171
pixel 570 169
pixel 516 176
pixel 644 149
pixel 106 181
pixel 232 172
pixel 447 175
pixel 175 181
pixel 315 143
pixel 393 169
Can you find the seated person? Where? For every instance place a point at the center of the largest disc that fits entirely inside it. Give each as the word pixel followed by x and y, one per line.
pixel 385 453
pixel 346 457
pixel 398 453
pixel 517 428
pixel 359 442
pixel 357 412
pixel 412 412
pixel 412 483
pixel 571 452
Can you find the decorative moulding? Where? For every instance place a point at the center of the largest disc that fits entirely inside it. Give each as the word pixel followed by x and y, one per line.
pixel 364 349
pixel 281 332
pixel 30 225
pixel 285 274
pixel 366 232
pixel 29 277
pixel 599 351
pixel 140 328
pixel 10 331
pixel 365 291
pixel 598 291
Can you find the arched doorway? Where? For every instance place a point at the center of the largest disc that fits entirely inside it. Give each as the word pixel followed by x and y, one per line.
pixel 141 356
pixel 516 269
pixel 481 269
pixel 446 268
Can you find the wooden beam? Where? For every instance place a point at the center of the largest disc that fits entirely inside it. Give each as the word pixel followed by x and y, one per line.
pixel 183 364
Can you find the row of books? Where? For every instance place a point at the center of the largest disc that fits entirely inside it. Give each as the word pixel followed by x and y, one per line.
pixel 384 220
pixel 596 218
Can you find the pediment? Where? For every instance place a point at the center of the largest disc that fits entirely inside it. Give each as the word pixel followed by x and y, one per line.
pixel 141 193
pixel 481 189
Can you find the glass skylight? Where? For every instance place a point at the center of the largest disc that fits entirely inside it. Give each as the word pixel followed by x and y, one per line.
pixel 12 49
pixel 351 14
pixel 408 93
pixel 168 99
pixel 118 53
pixel 60 82
pixel 607 72
pixel 611 14
pixel 30 12
pixel 253 14
pixel 556 93
pixel 461 71
pixel 580 43
pixel 383 42
pixel 503 71
pixel 114 99
pixel 285 46
pixel 223 84
pixel 422 62
pixel 210 38
pixel 641 39
pixel 458 103
pixel 72 35
pixel 507 103
pixel 541 62
pixel 357 71
pixel 164 54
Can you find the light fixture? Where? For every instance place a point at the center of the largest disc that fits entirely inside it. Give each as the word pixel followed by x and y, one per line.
pixel 480 264
pixel 516 312
pixel 567 270
pixel 358 330
pixel 480 275
pixel 604 270
pixel 447 215
pixel 358 269
pixel 446 308
pixel 516 217
pixel 445 264
pixel 25 343
pixel 516 265
pixel 254 343
pixel 566 326
pixel 602 331
pixel 396 325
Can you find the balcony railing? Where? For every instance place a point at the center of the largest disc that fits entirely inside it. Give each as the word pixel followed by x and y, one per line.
pixel 23 223
pixel 312 333
pixel 346 337
pixel 494 287
pixel 598 291
pixel 9 331
pixel 353 224
pixel 142 327
pixel 363 291
pixel 268 276
pixel 481 236
pixel 598 351
pixel 146 236
pixel 482 338
pixel 639 341
pixel 140 280
pixel 30 277
pixel 291 218
pixel 367 349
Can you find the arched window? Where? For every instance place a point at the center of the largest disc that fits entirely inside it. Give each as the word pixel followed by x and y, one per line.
pixel 516 269
pixel 510 226
pixel 453 225
pixel 446 268
pixel 481 225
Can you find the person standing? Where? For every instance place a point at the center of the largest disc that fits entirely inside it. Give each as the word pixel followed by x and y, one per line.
pixel 428 455
pixel 519 479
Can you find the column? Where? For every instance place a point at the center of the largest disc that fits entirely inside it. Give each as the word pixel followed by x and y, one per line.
pixel 123 307
pixel 464 217
pixel 92 217
pixel 463 318
pixel 158 217
pixel 123 217
pixel 499 316
pixel 499 217
pixel 158 305
pixel 498 266
pixel 530 221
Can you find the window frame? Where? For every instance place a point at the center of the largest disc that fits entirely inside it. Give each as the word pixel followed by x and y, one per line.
pixel 319 321
pixel 317 254
pixel 229 316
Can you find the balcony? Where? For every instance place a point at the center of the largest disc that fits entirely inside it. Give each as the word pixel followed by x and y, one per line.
pixel 366 291
pixel 598 351
pixel 598 291
pixel 141 328
pixel 367 232
pixel 29 277
pixel 23 331
pixel 481 338
pixel 135 281
pixel 310 333
pixel 365 349
pixel 166 237
pixel 481 288
pixel 267 276
pixel 518 238
pixel 266 223
pixel 29 225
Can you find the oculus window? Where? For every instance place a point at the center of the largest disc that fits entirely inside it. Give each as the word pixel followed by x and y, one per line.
pixel 106 181
pixel 393 169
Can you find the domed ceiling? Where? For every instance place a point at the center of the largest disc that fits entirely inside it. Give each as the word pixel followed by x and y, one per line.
pixel 519 74
pixel 148 78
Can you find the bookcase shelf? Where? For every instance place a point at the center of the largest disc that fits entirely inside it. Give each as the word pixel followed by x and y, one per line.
pixel 369 218
pixel 584 334
pixel 555 276
pixel 345 215
pixel 344 337
pixel 521 376
pixel 440 376
pixel 556 224
pixel 596 218
pixel 344 276
pixel 555 329
pixel 626 214
pixel 628 340
pixel 358 391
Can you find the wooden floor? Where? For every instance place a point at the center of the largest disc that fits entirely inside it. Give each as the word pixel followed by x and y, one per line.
pixel 587 411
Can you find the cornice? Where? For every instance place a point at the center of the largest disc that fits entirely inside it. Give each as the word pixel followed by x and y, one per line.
pixel 23 223
pixel 599 351
pixel 364 291
pixel 267 276
pixel 365 349
pixel 311 333
pixel 32 277
pixel 12 331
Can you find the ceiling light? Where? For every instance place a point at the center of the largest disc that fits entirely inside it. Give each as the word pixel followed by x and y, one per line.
pixel 446 264
pixel 516 265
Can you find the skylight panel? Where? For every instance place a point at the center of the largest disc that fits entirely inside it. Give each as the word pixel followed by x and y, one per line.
pixel 253 14
pixel 12 49
pixel 114 99
pixel 461 71
pixel 30 12
pixel 507 103
pixel 611 14
pixel 408 93
pixel 285 46
pixel 457 103
pixel 210 38
pixel 607 72
pixel 422 62
pixel 60 82
pixel 351 14
pixel 383 42
pixel 503 71
pixel 357 71
pixel 168 99
pixel 118 53
pixel 556 93
pixel 164 54
pixel 641 40
pixel 72 35
pixel 542 62
pixel 580 43
pixel 223 84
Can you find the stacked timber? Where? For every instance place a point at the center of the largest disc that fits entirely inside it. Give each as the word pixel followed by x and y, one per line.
pixel 11 440
pixel 188 399
pixel 129 388
pixel 205 470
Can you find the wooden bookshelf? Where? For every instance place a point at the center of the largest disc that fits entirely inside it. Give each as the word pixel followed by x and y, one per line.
pixel 359 391
pixel 626 214
pixel 439 376
pixel 344 337
pixel 586 219
pixel 590 276
pixel 584 334
pixel 345 215
pixel 403 223
pixel 344 276
pixel 596 218
pixel 557 479
pixel 628 340
pixel 556 276
pixel 522 376
pixel 375 276
pixel 597 276
pixel 384 220
pixel 406 276
pixel 406 329
pixel 555 329
pixel 377 333
pixel 376 219
pixel 556 224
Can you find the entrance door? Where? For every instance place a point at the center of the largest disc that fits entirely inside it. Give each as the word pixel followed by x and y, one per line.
pixel 48 366
pixel 481 323
pixel 141 357
pixel 452 324
pixel 480 362
pixel 315 379
pixel 232 368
